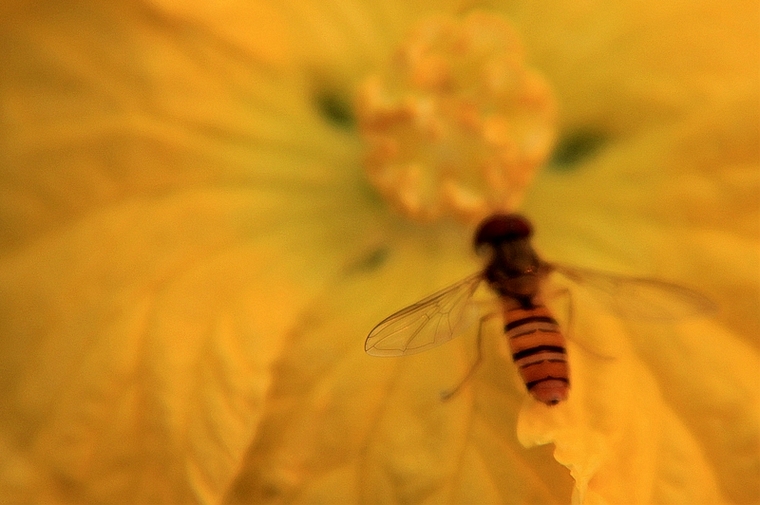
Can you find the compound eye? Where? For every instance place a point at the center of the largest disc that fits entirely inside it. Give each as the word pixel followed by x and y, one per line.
pixel 501 228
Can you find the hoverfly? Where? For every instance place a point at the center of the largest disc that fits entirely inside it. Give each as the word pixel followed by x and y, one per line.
pixel 515 273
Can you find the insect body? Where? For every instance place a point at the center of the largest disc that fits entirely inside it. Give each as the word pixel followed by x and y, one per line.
pixel 538 350
pixel 515 273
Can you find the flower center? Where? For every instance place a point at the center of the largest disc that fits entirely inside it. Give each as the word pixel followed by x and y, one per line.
pixel 456 125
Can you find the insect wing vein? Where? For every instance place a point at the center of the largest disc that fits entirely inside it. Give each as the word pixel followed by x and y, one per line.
pixel 638 297
pixel 426 324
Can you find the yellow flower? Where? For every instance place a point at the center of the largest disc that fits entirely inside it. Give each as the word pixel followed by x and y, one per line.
pixel 192 255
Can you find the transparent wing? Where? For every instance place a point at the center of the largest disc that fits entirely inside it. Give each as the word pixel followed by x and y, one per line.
pixel 639 297
pixel 427 323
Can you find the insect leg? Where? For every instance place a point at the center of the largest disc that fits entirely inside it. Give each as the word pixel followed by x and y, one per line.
pixel 449 394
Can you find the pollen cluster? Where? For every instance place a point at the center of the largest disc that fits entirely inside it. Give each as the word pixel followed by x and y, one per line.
pixel 456 125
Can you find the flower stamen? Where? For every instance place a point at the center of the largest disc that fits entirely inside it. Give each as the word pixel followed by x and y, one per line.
pixel 456 125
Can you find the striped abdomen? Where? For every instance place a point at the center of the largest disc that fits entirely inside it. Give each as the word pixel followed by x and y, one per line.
pixel 538 350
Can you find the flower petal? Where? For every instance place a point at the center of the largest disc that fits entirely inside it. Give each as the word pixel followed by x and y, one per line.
pixel 345 426
pixel 681 203
pixel 624 66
